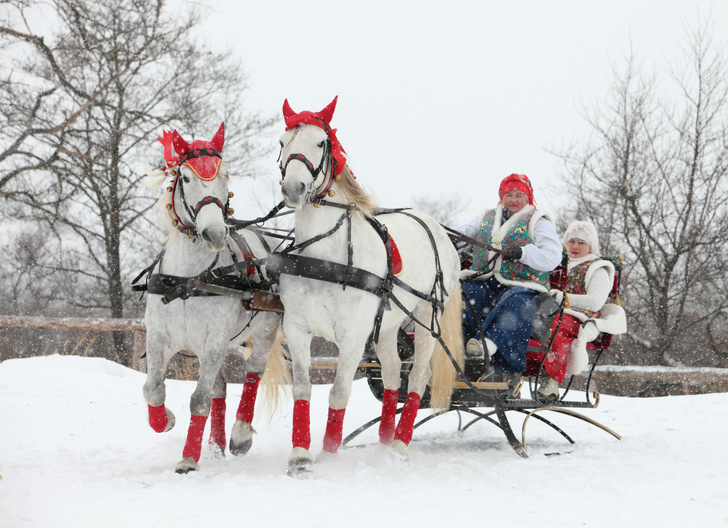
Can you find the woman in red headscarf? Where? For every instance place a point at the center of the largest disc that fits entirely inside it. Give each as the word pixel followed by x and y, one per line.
pixel 504 297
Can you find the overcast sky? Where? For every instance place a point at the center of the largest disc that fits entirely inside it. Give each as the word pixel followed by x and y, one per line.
pixel 447 98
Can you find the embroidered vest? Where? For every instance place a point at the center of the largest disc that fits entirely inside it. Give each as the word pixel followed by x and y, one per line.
pixel 518 235
pixel 576 284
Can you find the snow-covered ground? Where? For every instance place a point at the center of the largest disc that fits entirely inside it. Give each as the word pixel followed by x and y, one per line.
pixel 76 451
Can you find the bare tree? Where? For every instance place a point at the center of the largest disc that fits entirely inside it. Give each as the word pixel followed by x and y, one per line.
pixel 443 209
pixel 144 71
pixel 653 179
pixel 33 119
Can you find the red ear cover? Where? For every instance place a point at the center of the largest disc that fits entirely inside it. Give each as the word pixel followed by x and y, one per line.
pixel 218 139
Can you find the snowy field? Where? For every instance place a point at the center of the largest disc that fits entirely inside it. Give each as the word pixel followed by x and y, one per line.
pixel 76 451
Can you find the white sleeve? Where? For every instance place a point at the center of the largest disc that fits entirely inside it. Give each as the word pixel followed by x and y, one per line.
pixel 596 294
pixel 545 253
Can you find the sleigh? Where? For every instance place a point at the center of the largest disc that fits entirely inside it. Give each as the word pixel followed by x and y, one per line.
pixel 493 402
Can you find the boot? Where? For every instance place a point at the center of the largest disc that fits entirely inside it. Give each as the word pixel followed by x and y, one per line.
pixel 548 388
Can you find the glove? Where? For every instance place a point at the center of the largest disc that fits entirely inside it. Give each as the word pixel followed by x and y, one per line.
pixel 512 253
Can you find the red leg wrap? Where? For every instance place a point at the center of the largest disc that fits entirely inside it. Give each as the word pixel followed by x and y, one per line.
pixel 217 423
pixel 389 415
pixel 334 430
pixel 407 419
pixel 193 445
pixel 302 424
pixel 157 418
pixel 247 400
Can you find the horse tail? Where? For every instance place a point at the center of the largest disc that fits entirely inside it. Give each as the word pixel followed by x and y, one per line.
pixel 444 375
pixel 277 377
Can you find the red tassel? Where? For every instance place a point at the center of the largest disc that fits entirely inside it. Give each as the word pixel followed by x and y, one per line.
pixel 407 419
pixel 302 424
pixel 246 409
pixel 334 430
pixel 217 423
pixel 389 415
pixel 193 445
pixel 157 418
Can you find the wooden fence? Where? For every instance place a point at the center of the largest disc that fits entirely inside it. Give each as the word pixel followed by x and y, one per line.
pixel 92 324
pixel 610 379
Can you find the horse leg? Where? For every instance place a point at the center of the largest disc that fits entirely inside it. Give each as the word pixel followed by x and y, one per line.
pixel 349 356
pixel 391 378
pixel 264 338
pixel 241 438
pixel 416 384
pixel 200 404
pixel 161 419
pixel 299 343
pixel 217 415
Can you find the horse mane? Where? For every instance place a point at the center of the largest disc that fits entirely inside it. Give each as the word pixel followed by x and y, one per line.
pixel 154 179
pixel 356 193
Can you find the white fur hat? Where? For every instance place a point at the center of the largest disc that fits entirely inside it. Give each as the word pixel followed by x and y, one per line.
pixel 585 231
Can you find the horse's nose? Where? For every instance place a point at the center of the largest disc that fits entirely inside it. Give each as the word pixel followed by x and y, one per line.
pixel 293 190
pixel 215 237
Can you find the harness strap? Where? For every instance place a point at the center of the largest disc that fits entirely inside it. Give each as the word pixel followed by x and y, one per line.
pixel 247 255
pixel 304 245
pixel 165 285
pixel 278 264
pixel 242 224
pixel 148 272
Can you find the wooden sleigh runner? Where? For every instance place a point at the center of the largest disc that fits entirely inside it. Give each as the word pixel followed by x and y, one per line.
pixel 474 393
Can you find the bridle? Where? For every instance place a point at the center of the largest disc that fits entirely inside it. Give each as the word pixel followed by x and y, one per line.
pixel 323 168
pixel 192 212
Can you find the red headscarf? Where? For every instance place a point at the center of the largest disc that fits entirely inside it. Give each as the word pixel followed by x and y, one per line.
pixel 320 119
pixel 517 182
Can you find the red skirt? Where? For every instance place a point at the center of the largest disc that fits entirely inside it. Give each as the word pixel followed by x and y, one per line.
pixel 555 363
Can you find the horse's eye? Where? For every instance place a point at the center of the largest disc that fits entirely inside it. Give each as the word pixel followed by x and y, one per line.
pixel 321 144
pixel 186 179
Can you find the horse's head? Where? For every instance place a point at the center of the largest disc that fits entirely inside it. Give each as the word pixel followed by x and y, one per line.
pixel 199 196
pixel 311 156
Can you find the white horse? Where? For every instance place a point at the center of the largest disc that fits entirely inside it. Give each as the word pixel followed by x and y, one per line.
pixel 344 300
pixel 194 210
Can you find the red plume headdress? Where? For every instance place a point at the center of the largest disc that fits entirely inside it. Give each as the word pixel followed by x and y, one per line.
pixel 202 157
pixel 320 119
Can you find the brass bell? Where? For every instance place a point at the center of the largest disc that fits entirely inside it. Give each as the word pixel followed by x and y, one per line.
pixel 174 223
pixel 168 206
pixel 231 211
pixel 280 182
pixel 169 189
pixel 337 177
pixel 316 204
pixel 173 172
pixel 231 194
pixel 332 193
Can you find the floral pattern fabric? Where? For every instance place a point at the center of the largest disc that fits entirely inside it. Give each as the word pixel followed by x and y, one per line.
pixel 517 236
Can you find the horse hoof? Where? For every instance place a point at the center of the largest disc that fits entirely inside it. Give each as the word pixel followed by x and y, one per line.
pixel 299 464
pixel 186 465
pixel 241 438
pixel 399 447
pixel 170 420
